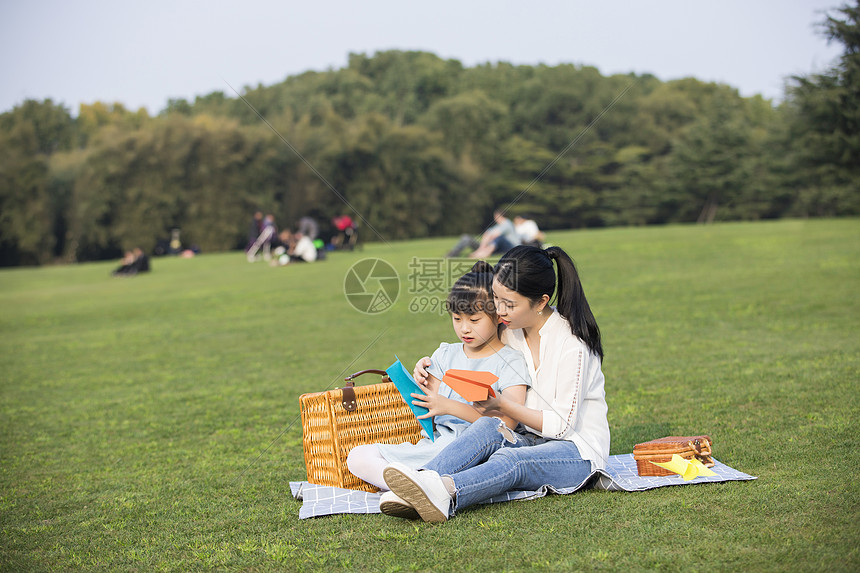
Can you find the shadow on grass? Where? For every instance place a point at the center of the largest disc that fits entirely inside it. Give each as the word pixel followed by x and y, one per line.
pixel 624 438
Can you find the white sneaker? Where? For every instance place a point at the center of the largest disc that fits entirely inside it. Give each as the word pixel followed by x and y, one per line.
pixel 392 504
pixel 424 490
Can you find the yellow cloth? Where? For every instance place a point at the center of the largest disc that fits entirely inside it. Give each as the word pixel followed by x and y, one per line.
pixel 687 469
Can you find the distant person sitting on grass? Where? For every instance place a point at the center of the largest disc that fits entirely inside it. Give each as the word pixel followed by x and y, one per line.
pixel 347 233
pixel 135 261
pixel 295 248
pixel 529 232
pixel 498 239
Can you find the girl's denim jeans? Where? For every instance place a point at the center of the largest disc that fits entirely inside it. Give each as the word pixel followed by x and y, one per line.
pixel 488 459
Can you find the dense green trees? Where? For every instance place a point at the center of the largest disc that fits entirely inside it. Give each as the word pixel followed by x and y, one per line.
pixel 413 145
pixel 30 202
pixel 824 121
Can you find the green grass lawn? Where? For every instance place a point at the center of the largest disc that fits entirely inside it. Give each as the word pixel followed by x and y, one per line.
pixel 152 423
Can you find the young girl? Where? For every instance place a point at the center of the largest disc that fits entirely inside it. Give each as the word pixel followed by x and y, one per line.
pixel 473 315
pixel 564 434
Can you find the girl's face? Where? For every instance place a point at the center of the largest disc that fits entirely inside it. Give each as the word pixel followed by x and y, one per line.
pixel 475 330
pixel 514 310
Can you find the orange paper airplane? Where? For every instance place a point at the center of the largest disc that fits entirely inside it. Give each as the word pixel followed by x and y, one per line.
pixel 471 385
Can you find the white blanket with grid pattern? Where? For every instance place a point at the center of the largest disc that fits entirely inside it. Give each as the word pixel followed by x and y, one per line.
pixel 619 475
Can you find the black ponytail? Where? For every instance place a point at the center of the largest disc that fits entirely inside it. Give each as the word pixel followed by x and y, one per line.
pixel 529 272
pixel 571 302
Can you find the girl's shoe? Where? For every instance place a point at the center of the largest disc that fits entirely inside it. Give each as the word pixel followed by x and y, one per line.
pixel 424 490
pixel 392 504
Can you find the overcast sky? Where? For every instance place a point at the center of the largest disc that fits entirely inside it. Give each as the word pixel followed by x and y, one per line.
pixel 143 53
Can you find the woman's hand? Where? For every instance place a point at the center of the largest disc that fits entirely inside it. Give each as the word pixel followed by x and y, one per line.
pixel 492 406
pixel 420 373
pixel 511 408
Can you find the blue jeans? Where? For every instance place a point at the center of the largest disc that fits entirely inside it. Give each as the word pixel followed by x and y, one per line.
pixel 501 245
pixel 484 463
pixel 465 241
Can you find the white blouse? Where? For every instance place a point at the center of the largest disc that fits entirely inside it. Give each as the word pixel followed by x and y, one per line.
pixel 568 388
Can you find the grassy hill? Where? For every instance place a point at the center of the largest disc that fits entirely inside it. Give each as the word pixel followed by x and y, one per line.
pixel 151 423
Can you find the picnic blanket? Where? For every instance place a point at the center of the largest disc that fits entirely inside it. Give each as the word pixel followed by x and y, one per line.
pixel 620 475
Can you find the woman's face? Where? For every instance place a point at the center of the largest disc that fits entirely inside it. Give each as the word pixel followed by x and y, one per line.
pixel 514 310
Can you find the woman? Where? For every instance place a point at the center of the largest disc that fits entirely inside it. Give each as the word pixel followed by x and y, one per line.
pixel 563 433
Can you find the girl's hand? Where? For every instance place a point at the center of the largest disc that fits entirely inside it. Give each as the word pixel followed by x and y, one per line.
pixel 420 373
pixel 436 404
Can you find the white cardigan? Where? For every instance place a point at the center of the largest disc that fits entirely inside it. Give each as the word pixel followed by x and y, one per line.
pixel 568 388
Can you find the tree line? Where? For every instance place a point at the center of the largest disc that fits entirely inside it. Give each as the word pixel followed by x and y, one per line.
pixel 412 145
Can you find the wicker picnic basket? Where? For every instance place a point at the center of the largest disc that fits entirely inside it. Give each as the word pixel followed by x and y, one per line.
pixel 336 421
pixel 662 449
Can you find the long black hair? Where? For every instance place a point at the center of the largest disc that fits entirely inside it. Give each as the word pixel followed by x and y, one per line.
pixel 473 292
pixel 529 272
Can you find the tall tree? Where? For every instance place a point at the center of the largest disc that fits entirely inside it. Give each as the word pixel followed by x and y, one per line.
pixel 825 113
pixel 706 166
pixel 29 135
pixel 25 209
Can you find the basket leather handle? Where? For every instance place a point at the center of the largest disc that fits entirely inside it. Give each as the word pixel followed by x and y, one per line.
pixel 355 375
pixel 699 444
pixel 348 399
